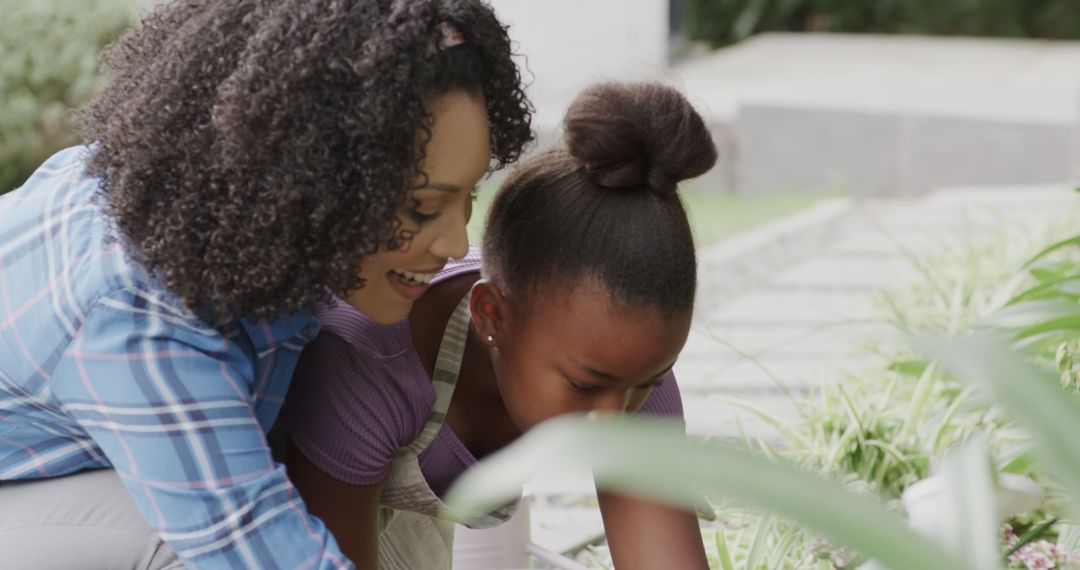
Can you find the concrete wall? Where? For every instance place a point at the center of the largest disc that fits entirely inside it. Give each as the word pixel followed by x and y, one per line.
pixel 813 149
pixel 569 44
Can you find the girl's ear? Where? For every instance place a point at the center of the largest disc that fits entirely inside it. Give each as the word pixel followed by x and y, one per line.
pixel 490 311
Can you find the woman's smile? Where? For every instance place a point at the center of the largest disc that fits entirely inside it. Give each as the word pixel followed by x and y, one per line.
pixel 411 284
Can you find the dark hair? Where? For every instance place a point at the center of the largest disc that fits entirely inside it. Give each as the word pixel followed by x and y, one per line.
pixel 603 205
pixel 252 152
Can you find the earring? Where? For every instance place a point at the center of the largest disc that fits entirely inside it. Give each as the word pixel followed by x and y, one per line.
pixel 490 338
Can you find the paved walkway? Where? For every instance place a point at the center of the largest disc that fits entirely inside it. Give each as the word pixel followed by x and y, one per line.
pixel 788 302
pixel 784 313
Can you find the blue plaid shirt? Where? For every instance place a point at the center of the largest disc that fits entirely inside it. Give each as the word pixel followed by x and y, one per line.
pixel 100 367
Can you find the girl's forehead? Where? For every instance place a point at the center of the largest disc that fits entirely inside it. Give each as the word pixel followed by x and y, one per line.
pixel 591 329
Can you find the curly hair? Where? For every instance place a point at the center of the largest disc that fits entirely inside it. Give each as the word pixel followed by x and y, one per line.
pixel 252 152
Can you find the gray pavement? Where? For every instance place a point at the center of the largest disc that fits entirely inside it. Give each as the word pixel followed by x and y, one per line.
pixel 793 316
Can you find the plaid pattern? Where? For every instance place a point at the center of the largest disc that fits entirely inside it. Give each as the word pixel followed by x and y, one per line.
pixel 102 368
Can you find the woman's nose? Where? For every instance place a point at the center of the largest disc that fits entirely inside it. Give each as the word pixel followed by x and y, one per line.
pixel 453 238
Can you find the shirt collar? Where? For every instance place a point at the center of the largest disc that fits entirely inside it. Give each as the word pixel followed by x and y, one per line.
pixel 299 328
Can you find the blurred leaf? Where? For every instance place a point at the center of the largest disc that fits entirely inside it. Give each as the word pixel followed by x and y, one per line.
pixel 1036 532
pixel 1069 323
pixel 1030 313
pixel 971 492
pixel 1075 240
pixel 756 545
pixel 642 457
pixel 722 551
pixel 913 367
pixel 1017 459
pixel 1030 396
pixel 1066 286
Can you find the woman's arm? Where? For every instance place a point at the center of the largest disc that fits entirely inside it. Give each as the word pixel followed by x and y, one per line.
pixel 167 400
pixel 351 512
pixel 644 535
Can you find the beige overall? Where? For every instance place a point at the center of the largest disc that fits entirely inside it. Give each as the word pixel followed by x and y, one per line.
pixel 417 531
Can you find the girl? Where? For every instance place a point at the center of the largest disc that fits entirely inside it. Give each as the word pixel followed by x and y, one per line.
pixel 248 158
pixel 582 303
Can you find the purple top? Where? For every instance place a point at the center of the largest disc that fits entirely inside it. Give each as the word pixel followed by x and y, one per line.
pixel 360 393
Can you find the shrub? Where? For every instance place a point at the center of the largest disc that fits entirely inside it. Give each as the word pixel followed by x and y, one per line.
pixel 49 66
pixel 725 21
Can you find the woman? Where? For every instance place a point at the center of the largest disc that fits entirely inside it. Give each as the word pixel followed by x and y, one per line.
pixel 246 161
pixel 583 303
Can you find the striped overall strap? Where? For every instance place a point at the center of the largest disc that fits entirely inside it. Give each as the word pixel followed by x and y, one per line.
pixel 444 379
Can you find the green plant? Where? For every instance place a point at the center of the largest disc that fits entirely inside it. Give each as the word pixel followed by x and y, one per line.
pixel 49 66
pixel 725 21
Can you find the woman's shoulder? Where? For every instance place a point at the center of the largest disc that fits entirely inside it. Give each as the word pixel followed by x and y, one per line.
pixel 471 263
pixel 365 362
pixel 355 400
pixel 363 336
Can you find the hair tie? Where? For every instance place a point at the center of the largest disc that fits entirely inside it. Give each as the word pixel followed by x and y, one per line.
pixel 449 36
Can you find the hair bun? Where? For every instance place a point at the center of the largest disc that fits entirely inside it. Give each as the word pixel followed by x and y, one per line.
pixel 635 135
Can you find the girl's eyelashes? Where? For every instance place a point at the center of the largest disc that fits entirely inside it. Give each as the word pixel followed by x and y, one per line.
pixel 589 388
pixel 582 387
pixel 474 195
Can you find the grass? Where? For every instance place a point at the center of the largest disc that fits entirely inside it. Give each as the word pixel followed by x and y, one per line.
pixel 713 215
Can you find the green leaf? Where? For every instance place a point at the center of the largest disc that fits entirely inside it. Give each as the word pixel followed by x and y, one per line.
pixel 1030 313
pixel 971 494
pixel 1075 240
pixel 783 547
pixel 1016 459
pixel 722 551
pixel 913 368
pixel 756 545
pixel 1035 533
pixel 1069 323
pixel 1030 396
pixel 1046 271
pixel 1064 287
pixel 785 428
pixel 655 459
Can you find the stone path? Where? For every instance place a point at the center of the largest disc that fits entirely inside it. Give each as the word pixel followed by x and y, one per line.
pixel 779 317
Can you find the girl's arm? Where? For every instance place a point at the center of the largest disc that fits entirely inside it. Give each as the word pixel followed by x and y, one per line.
pixel 351 512
pixel 645 535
